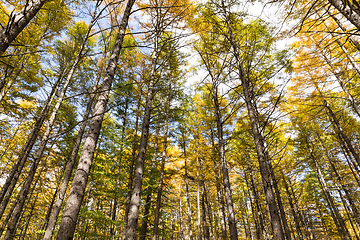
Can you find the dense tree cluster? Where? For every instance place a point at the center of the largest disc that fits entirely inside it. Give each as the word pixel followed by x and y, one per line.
pixel 103 136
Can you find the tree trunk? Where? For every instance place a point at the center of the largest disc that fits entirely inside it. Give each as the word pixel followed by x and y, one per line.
pixel 259 230
pixel 218 191
pixel 339 179
pixel 292 208
pixel 341 133
pixel 206 229
pixel 188 202
pixel 38 155
pixel 181 235
pixel 150 189
pixel 70 165
pixel 163 161
pixel 347 11
pixel 226 178
pixel 11 180
pixel 146 215
pixel 259 141
pixel 132 162
pixel 18 22
pixel 130 230
pixel 280 204
pixel 339 221
pixel 72 208
pixel 197 193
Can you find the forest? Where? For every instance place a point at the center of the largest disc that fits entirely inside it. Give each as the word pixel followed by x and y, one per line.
pixel 180 119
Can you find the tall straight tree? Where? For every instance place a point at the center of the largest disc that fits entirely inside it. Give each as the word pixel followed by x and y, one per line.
pixel 77 191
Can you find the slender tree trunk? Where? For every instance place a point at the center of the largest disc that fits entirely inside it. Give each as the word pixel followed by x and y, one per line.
pixel 339 179
pixel 206 229
pixel 132 162
pixel 209 212
pixel 339 222
pixel 248 223
pixel 258 206
pixel 48 213
pixel 181 235
pixel 296 218
pixel 150 189
pixel 226 178
pixel 146 215
pixel 198 195
pixel 258 139
pixel 300 214
pixel 16 170
pixel 17 22
pixel 258 229
pixel 280 204
pixel 218 191
pixel 130 230
pixel 341 133
pixel 72 208
pixel 189 212
pixel 23 233
pixel 70 165
pixel 163 161
pixel 38 155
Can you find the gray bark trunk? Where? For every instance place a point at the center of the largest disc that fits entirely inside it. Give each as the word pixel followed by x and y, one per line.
pixel 338 220
pixel 150 189
pixel 341 133
pixel 16 170
pixel 257 227
pixel 218 191
pixel 130 230
pixel 347 10
pixel 181 235
pixel 18 22
pixel 132 163
pixel 62 191
pixel 259 141
pixel 38 155
pixel 72 208
pixel 161 180
pixel 226 178
pixel 292 208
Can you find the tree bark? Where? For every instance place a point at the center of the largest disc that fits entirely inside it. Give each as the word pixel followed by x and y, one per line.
pixel 347 10
pixel 292 208
pixel 150 189
pixel 218 191
pixel 280 204
pixel 258 139
pixel 16 170
pixel 338 220
pixel 130 230
pixel 132 162
pixel 70 165
pixel 259 230
pixel 163 161
pixel 146 215
pixel 38 155
pixel 18 22
pixel 72 208
pixel 341 132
